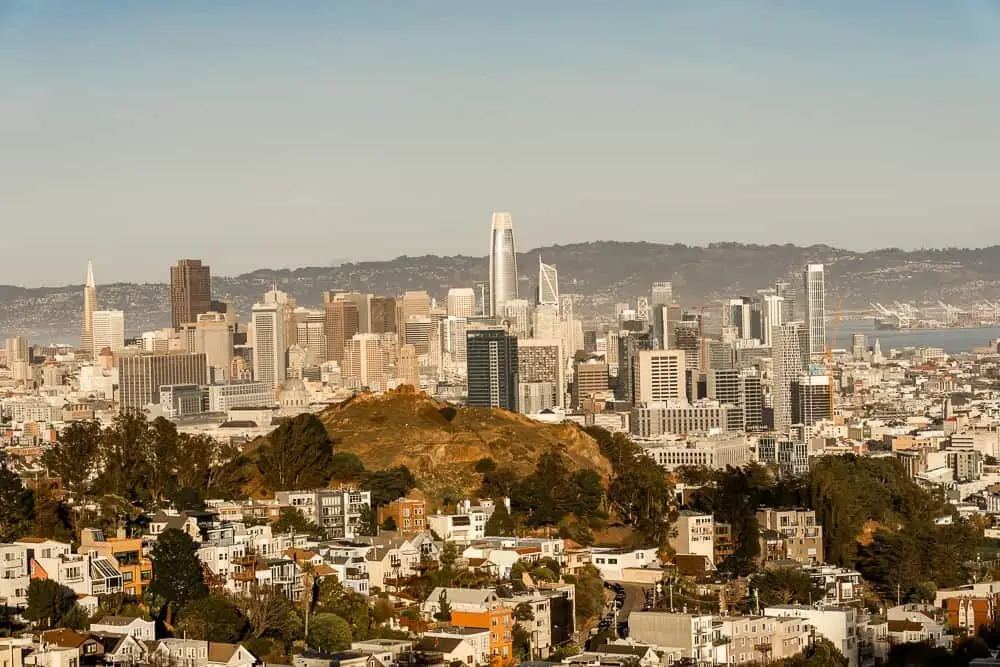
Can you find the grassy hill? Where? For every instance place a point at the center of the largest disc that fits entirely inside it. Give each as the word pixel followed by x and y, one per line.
pixel 441 444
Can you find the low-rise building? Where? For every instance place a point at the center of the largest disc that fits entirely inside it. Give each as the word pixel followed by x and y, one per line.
pixel 790 534
pixel 692 634
pixel 336 511
pixel 694 534
pixel 839 625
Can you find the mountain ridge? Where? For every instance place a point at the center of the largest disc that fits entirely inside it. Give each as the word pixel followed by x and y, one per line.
pixel 603 271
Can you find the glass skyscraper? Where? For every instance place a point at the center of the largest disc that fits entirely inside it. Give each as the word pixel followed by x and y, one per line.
pixel 503 263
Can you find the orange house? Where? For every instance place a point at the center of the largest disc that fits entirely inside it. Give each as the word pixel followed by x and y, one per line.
pixel 126 553
pixel 409 514
pixel 499 621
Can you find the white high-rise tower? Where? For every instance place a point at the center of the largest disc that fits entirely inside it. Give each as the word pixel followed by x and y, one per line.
pixel 267 320
pixel 548 284
pixel 503 263
pixel 814 300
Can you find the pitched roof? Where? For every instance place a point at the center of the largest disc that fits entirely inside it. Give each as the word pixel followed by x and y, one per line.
pixel 220 652
pixel 119 621
pixel 902 626
pixel 65 638
pixel 439 644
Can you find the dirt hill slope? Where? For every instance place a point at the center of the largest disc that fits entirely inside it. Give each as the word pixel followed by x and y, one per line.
pixel 441 444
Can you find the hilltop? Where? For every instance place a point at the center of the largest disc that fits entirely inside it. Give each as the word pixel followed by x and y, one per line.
pixel 441 444
pixel 605 272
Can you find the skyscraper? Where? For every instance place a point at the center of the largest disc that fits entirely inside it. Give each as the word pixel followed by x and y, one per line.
pixel 341 323
pixel 267 320
pixel 503 263
pixel 541 361
pixel 461 302
pixel 492 368
pixel 190 291
pixel 660 375
pixel 790 355
pixel 548 284
pixel 89 306
pixel 383 314
pixel 814 299
pixel 772 315
pixel 109 331
pixel 662 294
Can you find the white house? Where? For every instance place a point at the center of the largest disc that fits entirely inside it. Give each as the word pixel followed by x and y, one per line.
pixel 612 563
pixel 837 624
pixel 144 631
pixel 196 653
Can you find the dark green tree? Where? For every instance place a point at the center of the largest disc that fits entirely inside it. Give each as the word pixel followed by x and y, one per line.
pixel 443 614
pixel 72 458
pixel 124 458
pixel 786 585
pixel 162 458
pixel 346 467
pixel 918 655
pixel 329 633
pixel 969 649
pixel 388 485
pixel 389 524
pixel 368 522
pixel 485 465
pixel 500 522
pixel 16 504
pixel 297 454
pixel 292 521
pixel 212 618
pixel 177 573
pixel 643 498
pixel 48 603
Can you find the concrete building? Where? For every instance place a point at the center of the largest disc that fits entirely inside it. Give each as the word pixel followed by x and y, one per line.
pixel 693 634
pixel 336 511
pixel 839 625
pixel 109 331
pixel 814 300
pixel 367 362
pixel 791 455
pixel 590 379
pixel 660 375
pixel 340 323
pixel 713 452
pixel 89 306
pixel 695 534
pixel 461 302
pixel 540 361
pixel 652 420
pixel 790 534
pixel 384 318
pixel 791 357
pixel 492 368
pixel 810 399
pixel 269 361
pixel 142 375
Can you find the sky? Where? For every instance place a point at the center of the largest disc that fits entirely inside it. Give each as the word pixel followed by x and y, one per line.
pixel 283 134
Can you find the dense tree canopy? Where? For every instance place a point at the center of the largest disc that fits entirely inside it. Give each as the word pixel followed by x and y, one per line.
pixel 297 454
pixel 178 576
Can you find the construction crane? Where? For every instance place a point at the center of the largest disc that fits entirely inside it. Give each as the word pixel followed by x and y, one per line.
pixel 829 350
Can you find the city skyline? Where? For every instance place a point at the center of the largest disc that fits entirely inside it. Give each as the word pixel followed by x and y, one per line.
pixel 857 124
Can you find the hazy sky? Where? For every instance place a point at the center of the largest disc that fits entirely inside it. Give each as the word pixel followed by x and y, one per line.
pixel 292 133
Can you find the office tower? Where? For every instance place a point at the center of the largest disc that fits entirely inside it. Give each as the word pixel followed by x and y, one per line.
pixel 517 316
pixel 17 350
pixel 362 304
pixel 503 262
pixel 662 294
pixel 790 295
pixel 417 332
pixel 753 403
pixel 484 300
pixel 590 378
pixel 267 320
pixel 545 322
pixel 89 306
pixel 720 354
pixel 630 344
pixel 287 304
pixel 566 307
pixel 408 366
pixel 212 335
pixel 226 307
pixel 367 361
pixel 810 399
pixel 790 356
pixel 589 341
pixel 416 303
pixel 535 397
pixel 461 302
pixel 859 347
pixel 687 337
pixel 612 351
pixel 340 324
pixel 541 361
pixel 190 291
pixel 548 284
pixel 453 330
pixel 660 375
pixel 109 331
pixel 492 368
pixel 772 315
pixel 642 310
pixel 310 334
pixel 140 376
pixel 814 299
pixel 726 387
pixel 877 357
pixel 383 315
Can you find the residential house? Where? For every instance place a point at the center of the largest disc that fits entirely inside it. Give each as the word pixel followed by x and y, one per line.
pixel 197 653
pixel 790 535
pixel 453 649
pixel 125 553
pixel 121 650
pixel 466 525
pixel 181 521
pixel 392 559
pixel 337 512
pixel 840 625
pixel 842 585
pixel 692 634
pixel 144 631
pixel 477 638
pixel 88 648
pixel 14 575
pixel 612 563
pixel 759 639
pixel 408 514
pixel 478 608
pixel 694 534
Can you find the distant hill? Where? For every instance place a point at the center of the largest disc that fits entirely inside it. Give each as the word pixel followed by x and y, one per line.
pixel 441 444
pixel 605 272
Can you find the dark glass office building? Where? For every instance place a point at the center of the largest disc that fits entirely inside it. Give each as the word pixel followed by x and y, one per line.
pixel 491 361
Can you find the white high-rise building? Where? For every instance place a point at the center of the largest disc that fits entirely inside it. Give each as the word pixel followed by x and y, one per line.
pixel 517 315
pixel 89 306
pixel 269 364
pixel 548 284
pixel 453 330
pixel 814 299
pixel 503 263
pixel 661 376
pixel 790 351
pixel 108 331
pixel 771 315
pixel 461 302
pixel 367 361
pixel 662 294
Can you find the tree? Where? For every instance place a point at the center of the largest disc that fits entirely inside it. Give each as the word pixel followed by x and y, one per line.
pixel 443 613
pixel 589 593
pixel 368 522
pixel 16 504
pixel 643 497
pixel 293 521
pixel 123 457
pixel 333 598
pixel 785 585
pixel 383 610
pixel 500 523
pixel 297 454
pixel 213 618
pixel 498 483
pixel 917 655
pixel 177 573
pixel 329 633
pixel 485 465
pixel 388 485
pixel 162 458
pixel 969 649
pixel 72 458
pixel 346 467
pixel 48 603
pixel 389 524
